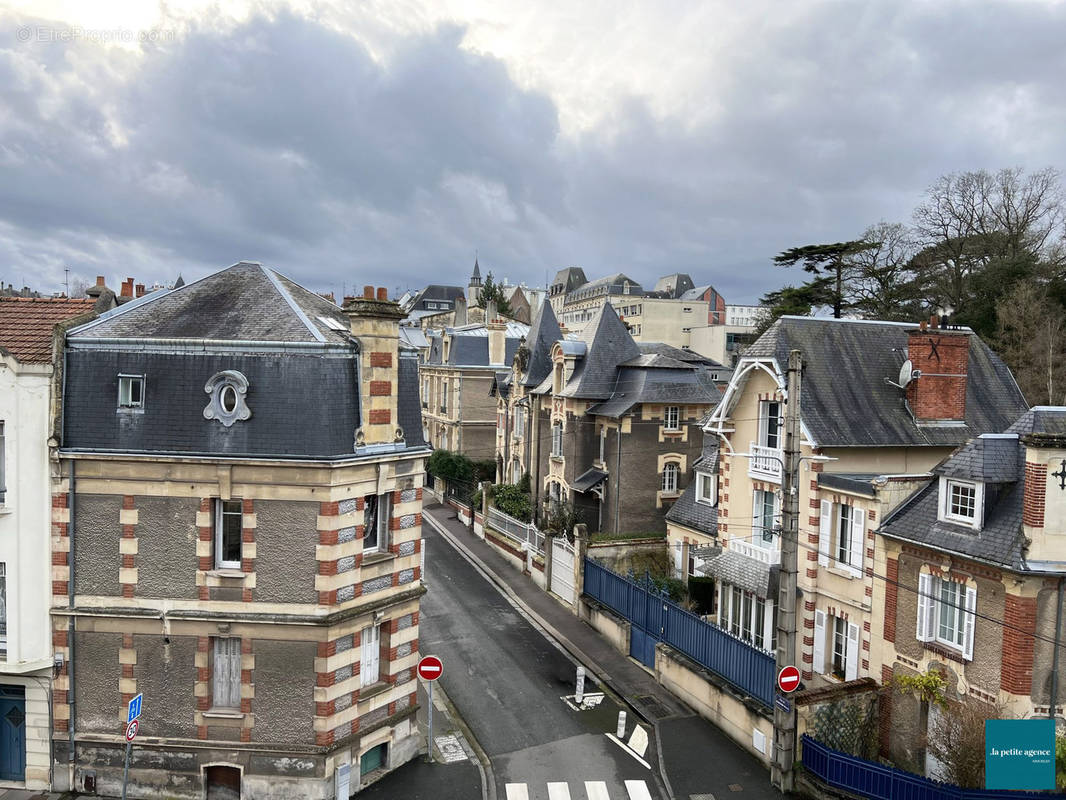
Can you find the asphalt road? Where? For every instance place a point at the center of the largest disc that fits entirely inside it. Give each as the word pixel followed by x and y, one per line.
pixel 507 680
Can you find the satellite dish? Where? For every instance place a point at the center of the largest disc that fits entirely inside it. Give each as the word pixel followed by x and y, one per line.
pixel 905 373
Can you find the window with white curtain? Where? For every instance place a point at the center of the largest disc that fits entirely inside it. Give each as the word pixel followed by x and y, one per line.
pixel 669 478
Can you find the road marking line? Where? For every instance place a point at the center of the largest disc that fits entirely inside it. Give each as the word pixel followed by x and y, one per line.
pixel 596 790
pixel 558 791
pixel 625 747
pixel 638 790
pixel 517 791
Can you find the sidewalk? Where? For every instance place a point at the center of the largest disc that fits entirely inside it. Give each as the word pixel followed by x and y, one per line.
pixel 696 758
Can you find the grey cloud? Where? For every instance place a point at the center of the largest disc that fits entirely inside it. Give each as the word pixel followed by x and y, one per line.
pixel 284 140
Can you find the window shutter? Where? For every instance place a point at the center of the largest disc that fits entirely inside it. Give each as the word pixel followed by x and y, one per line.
pixel 371 656
pixel 857 544
pixel 825 532
pixel 851 667
pixel 768 625
pixel 819 641
pixel 926 608
pixel 969 622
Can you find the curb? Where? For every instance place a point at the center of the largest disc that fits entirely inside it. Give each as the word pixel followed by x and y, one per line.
pixel 595 669
pixel 484 764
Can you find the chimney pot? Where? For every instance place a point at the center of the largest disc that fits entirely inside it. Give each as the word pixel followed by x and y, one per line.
pixel 368 292
pixel 140 290
pixel 99 280
pixel 383 293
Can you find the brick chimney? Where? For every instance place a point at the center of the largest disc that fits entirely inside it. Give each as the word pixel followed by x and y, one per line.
pixel 460 311
pixel 127 288
pixel 943 357
pixel 497 329
pixel 140 290
pixel 375 323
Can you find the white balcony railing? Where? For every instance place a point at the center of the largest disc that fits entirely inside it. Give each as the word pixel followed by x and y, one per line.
pixel 765 462
pixel 755 551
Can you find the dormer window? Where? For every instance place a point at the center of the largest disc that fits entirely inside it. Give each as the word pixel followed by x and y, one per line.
pixel 706 489
pixel 961 502
pixel 228 391
pixel 130 391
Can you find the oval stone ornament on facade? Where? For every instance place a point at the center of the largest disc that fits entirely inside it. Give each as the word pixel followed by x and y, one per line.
pixel 228 391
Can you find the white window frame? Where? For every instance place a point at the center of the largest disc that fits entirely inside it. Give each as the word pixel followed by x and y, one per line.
pixel 848 551
pixel 934 605
pixel 766 413
pixel 219 523
pixel 126 382
pixel 380 506
pixel 672 418
pixel 444 396
pixel 603 444
pixel 370 656
pixel 671 473
pixel 706 489
pixel 761 534
pixel 557 439
pixel 226 672
pixel 747 616
pixel 947 515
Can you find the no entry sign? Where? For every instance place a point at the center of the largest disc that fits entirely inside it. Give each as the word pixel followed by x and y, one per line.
pixel 788 679
pixel 430 668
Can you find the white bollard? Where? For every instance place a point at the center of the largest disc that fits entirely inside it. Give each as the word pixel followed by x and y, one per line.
pixel 621 732
pixel 579 695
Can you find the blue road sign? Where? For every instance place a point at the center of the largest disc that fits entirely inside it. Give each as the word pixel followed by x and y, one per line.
pixel 134 709
pixel 780 701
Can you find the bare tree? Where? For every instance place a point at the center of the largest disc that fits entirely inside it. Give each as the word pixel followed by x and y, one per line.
pixel 957 741
pixel 1032 337
pixel 971 219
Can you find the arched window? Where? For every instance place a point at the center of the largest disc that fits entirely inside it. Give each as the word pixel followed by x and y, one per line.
pixel 669 482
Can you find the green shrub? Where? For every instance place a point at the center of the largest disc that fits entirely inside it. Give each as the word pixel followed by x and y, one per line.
pixel 524 484
pixel 511 500
pixel 450 466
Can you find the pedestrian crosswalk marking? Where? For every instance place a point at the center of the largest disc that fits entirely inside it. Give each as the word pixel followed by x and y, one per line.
pixel 594 790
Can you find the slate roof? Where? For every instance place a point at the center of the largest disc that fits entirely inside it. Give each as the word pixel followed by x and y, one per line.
pixel 27 324
pixel 699 516
pixel 747 573
pixel 543 333
pixel 1001 539
pixel 846 401
pixel 569 278
pixel 675 285
pixel 409 405
pixel 708 459
pixel 245 302
pixel 470 347
pixel 854 482
pixel 695 293
pixel 608 344
pixel 636 385
pixel 688 356
pixel 589 479
pixel 438 293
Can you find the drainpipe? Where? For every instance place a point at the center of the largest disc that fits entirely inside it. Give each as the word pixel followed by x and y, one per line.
pixel 70 628
pixel 1055 657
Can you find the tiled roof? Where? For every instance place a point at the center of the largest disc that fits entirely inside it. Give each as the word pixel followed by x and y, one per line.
pixel 846 401
pixel 542 335
pixel 26 324
pixel 854 482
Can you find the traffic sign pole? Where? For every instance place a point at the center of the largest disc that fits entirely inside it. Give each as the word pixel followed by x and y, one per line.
pixel 429 669
pixel 133 712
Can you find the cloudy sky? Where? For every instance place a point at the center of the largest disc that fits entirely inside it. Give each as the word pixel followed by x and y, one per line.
pixel 385 141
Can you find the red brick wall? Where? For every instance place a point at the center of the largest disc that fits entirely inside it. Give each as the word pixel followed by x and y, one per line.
pixel 891 595
pixel 1035 492
pixel 932 396
pixel 1019 627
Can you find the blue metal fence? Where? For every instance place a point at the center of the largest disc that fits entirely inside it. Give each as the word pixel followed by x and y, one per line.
pixel 869 779
pixel 745 667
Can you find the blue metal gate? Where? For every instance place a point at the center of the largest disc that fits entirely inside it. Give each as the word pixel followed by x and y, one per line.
pixel 12 733
pixel 654 618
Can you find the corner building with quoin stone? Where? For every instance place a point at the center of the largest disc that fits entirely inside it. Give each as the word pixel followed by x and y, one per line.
pixel 237 535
